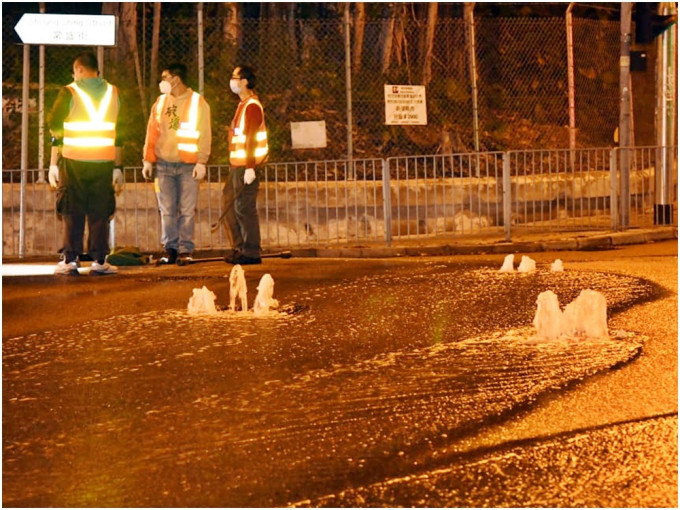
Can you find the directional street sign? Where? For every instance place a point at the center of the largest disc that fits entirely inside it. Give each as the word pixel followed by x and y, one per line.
pixel 67 29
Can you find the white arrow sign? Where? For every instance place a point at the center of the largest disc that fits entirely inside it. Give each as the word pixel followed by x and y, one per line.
pixel 67 29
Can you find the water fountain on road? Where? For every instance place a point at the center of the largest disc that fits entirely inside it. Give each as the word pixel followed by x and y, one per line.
pixel 202 302
pixel 237 288
pixel 585 317
pixel 264 299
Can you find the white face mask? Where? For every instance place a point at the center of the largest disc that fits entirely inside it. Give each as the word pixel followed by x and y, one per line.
pixel 234 86
pixel 165 87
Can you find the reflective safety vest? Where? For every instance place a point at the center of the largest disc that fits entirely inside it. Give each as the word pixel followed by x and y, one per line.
pixel 89 132
pixel 187 134
pixel 237 144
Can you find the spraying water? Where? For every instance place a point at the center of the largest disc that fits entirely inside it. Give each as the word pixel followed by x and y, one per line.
pixel 264 299
pixel 527 265
pixel 557 267
pixel 508 264
pixel 585 317
pixel 202 302
pixel 237 288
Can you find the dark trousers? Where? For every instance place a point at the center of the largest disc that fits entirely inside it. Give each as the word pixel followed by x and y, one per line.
pixel 240 213
pixel 85 192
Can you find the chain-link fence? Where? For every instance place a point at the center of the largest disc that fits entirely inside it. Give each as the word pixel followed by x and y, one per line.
pixel 521 69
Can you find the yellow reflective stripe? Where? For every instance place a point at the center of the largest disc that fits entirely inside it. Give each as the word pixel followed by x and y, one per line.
pixel 88 142
pixel 187 132
pixel 193 111
pixel 187 147
pixel 260 136
pixel 95 115
pixel 90 126
pixel 241 153
pixel 238 139
pixel 159 107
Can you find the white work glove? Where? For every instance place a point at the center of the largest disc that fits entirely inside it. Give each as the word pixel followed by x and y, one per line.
pixel 118 180
pixel 147 170
pixel 53 176
pixel 199 171
pixel 249 176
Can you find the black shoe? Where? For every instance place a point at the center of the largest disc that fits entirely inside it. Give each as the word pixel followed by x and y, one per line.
pixel 170 257
pixel 243 260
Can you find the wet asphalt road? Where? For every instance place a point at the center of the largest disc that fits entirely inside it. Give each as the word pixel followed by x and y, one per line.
pixel 400 382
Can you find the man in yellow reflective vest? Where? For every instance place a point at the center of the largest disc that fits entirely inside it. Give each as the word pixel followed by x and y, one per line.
pixel 248 149
pixel 85 164
pixel 178 138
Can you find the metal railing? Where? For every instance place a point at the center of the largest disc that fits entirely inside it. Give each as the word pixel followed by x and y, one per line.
pixel 341 202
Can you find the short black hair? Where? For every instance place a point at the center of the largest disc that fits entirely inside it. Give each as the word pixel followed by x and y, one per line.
pixel 88 61
pixel 177 69
pixel 247 73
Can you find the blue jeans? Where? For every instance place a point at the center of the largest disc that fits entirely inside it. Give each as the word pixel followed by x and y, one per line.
pixel 177 193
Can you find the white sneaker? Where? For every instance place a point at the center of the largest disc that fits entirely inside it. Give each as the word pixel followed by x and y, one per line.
pixel 105 268
pixel 67 268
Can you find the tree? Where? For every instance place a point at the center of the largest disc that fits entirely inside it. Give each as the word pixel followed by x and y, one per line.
pixel 359 25
pixel 429 42
pixel 127 49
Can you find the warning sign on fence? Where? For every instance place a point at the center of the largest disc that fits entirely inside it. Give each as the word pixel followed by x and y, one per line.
pixel 405 104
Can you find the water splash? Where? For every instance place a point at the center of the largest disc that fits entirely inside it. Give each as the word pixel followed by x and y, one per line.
pixel 237 288
pixel 508 264
pixel 527 265
pixel 557 267
pixel 264 299
pixel 585 317
pixel 202 302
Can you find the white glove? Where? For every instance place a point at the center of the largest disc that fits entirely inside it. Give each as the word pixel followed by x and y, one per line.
pixel 53 176
pixel 118 180
pixel 199 171
pixel 249 176
pixel 147 170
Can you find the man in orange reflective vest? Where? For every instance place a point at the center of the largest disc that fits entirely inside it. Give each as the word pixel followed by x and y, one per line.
pixel 178 138
pixel 85 147
pixel 247 150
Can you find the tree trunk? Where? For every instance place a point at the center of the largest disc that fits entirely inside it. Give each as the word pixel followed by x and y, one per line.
pixel 359 24
pixel 387 39
pixel 153 89
pixel 127 49
pixel 429 42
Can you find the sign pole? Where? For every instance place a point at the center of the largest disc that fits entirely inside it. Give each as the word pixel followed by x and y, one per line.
pixel 24 151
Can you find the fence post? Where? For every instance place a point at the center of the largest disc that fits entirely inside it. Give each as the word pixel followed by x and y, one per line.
pixel 201 65
pixel 613 200
pixel 507 195
pixel 625 112
pixel 387 201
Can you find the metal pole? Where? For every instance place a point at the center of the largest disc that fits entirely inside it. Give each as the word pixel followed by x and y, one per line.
pixel 24 150
pixel 624 111
pixel 201 66
pixel 507 196
pixel 41 109
pixel 472 52
pixel 100 59
pixel 348 83
pixel 665 125
pixel 570 80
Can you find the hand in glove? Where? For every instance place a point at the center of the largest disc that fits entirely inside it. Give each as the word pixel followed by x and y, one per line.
pixel 199 171
pixel 147 170
pixel 118 180
pixel 53 175
pixel 249 176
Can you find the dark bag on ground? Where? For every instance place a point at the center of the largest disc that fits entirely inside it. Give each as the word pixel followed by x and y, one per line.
pixel 127 256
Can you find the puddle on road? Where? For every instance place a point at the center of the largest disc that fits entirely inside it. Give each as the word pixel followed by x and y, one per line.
pixel 367 372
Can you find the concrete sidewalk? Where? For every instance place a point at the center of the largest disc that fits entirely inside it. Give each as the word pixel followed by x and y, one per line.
pixel 521 243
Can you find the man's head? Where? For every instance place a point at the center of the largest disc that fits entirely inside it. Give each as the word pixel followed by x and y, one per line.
pixel 175 72
pixel 246 73
pixel 85 65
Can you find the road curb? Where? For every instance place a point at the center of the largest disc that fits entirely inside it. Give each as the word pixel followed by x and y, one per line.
pixel 596 242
